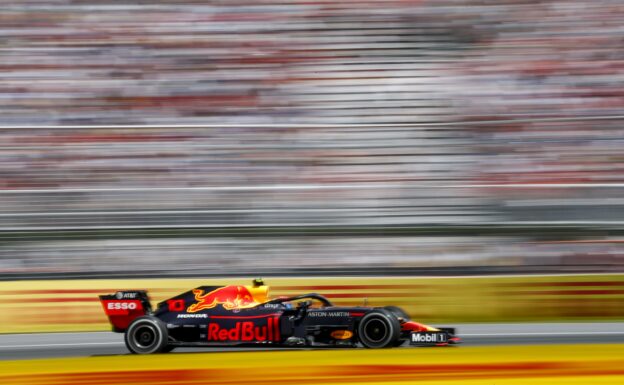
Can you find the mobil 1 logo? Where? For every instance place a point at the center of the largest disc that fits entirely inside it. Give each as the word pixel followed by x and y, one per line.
pixel 428 338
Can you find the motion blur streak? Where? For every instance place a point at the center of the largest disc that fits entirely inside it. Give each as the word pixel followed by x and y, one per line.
pixel 380 106
pixel 595 364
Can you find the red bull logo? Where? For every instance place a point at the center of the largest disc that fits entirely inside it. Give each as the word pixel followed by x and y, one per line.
pixel 230 297
pixel 247 331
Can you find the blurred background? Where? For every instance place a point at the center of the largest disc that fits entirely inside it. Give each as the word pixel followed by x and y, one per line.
pixel 310 137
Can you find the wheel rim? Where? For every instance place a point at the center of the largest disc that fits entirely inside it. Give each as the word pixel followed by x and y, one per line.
pixel 145 336
pixel 376 330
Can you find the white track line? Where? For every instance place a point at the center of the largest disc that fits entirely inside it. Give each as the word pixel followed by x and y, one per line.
pixel 517 119
pixel 55 345
pixel 487 335
pixel 308 186
pixel 53 333
pixel 580 334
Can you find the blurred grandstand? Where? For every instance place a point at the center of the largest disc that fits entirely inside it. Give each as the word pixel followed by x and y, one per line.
pixel 262 136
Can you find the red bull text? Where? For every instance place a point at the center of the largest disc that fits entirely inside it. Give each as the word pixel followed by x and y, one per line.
pixel 246 331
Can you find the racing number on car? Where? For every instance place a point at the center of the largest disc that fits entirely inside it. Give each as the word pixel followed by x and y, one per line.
pixel 176 304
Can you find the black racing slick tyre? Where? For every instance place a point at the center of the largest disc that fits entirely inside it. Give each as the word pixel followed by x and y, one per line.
pixel 398 312
pixel 146 335
pixel 379 329
pixel 401 315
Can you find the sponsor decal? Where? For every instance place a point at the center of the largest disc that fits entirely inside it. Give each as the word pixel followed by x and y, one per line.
pixel 428 338
pixel 175 305
pixel 328 314
pixel 342 334
pixel 121 307
pixel 201 315
pixel 124 295
pixel 230 297
pixel 245 331
pixel 272 305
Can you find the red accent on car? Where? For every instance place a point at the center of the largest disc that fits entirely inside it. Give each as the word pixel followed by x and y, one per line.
pixel 122 312
pixel 270 329
pixel 413 327
pixel 230 297
pixel 355 314
pixel 246 331
pixel 276 325
pixel 176 305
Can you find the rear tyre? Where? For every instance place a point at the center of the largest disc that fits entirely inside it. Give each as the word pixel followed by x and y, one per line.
pixel 146 335
pixel 379 329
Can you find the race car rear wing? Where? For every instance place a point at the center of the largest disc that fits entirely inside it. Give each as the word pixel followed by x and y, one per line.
pixel 124 306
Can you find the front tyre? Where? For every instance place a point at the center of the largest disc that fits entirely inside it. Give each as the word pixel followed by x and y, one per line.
pixel 402 316
pixel 379 329
pixel 398 312
pixel 146 335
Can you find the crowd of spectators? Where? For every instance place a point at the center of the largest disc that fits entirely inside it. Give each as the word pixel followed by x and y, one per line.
pixel 242 61
pixel 230 65
pixel 259 73
pixel 560 60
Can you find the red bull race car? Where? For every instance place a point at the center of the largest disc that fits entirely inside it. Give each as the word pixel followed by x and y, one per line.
pixel 245 316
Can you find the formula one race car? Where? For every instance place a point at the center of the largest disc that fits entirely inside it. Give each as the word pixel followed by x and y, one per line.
pixel 244 316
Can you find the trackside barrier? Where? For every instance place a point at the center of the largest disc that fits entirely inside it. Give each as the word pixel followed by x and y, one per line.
pixel 72 305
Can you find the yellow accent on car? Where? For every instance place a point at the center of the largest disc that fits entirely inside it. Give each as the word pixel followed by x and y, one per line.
pixel 259 293
pixel 341 334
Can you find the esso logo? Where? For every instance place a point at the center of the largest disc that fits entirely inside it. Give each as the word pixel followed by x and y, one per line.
pixel 121 305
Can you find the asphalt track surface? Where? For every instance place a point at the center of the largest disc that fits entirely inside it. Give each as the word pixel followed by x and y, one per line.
pixel 51 345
